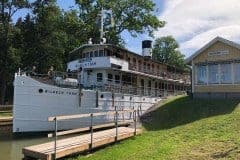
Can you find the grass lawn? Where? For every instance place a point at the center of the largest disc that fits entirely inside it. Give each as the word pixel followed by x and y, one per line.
pixel 184 129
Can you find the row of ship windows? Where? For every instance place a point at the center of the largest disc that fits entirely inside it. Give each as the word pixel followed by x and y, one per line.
pixel 100 53
pixel 97 53
pixel 133 61
pixel 126 79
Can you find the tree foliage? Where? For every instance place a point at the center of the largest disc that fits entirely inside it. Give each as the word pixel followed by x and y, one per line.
pixel 134 16
pixel 166 50
pixel 10 55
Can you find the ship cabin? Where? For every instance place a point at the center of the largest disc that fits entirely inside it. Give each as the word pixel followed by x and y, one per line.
pixel 112 68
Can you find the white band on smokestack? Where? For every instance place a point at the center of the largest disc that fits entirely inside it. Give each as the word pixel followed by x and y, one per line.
pixel 147 48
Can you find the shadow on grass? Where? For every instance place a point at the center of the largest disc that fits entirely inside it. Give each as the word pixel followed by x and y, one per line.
pixel 184 110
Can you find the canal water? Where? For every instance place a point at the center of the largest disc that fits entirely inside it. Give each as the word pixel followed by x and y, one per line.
pixel 11 146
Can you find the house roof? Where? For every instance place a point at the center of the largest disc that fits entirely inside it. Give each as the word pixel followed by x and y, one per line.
pixel 217 39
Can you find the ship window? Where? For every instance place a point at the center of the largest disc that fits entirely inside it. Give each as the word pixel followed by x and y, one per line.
pixel 153 67
pixel 95 53
pixel 40 90
pixel 99 77
pixel 87 55
pixel 159 86
pixel 149 84
pixel 148 66
pixel 117 79
pixel 110 77
pixel 134 60
pixel 144 65
pixel 108 52
pixel 101 53
pixel 91 54
pixel 142 82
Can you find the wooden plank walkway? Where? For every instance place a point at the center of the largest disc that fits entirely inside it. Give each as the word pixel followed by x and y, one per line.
pixel 95 127
pixel 77 144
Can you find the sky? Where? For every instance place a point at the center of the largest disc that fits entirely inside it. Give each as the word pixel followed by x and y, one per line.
pixel 193 23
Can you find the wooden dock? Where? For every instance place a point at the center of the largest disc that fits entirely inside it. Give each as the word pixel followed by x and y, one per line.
pixel 77 144
pixel 6 121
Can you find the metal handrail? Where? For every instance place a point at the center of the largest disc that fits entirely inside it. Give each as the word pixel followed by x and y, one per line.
pixel 91 115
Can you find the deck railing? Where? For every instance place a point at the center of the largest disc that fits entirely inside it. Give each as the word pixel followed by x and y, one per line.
pixel 115 113
pixel 164 75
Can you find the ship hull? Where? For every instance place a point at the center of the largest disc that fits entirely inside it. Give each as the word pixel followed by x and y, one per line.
pixel 35 101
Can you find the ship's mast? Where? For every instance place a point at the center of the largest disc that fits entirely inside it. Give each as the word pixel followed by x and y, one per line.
pixel 101 27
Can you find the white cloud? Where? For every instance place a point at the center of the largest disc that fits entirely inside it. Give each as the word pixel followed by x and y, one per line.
pixel 195 22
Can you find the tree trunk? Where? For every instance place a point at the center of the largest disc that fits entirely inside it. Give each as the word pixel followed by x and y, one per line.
pixel 3 87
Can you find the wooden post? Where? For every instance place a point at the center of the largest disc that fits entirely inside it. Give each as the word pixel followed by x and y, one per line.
pixel 97 99
pixel 113 100
pixel 135 122
pixel 91 128
pixel 116 125
pixel 80 96
pixel 123 116
pixel 55 139
pixel 174 89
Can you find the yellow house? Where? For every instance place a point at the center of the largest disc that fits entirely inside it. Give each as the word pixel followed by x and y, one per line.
pixel 216 70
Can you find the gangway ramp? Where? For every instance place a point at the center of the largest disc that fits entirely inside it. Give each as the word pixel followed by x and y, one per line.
pixel 73 145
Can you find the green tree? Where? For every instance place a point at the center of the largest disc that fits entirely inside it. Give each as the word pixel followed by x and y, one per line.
pixel 166 50
pixel 73 26
pixel 42 37
pixel 10 56
pixel 134 16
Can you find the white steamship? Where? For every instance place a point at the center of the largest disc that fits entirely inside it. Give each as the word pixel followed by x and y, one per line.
pixel 101 77
pixel 98 72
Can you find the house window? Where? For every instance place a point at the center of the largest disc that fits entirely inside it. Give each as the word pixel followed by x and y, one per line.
pixel 237 73
pixel 110 77
pixel 213 75
pixel 226 73
pixel 99 77
pixel 201 74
